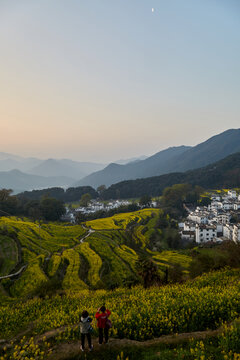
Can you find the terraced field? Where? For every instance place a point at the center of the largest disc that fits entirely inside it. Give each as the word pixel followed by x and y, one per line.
pixel 8 255
pixel 100 254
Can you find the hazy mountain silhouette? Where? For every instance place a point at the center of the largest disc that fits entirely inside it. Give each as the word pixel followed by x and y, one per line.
pixel 170 160
pixel 50 167
pixel 19 181
pixel 222 174
pixel 74 169
pixel 153 165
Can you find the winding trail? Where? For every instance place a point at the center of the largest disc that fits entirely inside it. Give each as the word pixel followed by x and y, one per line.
pixel 14 274
pixel 71 349
pixel 90 231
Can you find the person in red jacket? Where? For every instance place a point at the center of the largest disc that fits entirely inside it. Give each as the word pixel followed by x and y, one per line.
pixel 102 323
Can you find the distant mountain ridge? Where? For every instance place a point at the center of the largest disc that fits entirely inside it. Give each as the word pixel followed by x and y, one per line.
pixel 174 159
pixel 149 167
pixel 49 167
pixel 131 160
pixel 19 181
pixel 53 167
pixel 222 174
pixel 64 172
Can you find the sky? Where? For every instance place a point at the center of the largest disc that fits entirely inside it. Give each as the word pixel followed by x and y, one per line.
pixel 101 80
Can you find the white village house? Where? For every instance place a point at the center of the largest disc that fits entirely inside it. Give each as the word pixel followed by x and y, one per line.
pixel 213 223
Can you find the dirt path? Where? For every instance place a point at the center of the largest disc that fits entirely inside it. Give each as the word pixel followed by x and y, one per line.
pixel 90 231
pixel 14 274
pixel 72 349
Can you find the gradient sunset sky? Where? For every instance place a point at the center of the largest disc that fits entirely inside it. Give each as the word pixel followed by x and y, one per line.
pixel 101 80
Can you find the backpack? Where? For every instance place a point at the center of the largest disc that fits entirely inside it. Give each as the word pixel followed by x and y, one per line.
pixel 86 327
pixel 108 324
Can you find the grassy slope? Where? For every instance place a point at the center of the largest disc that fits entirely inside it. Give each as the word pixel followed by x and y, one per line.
pixel 8 255
pixel 105 259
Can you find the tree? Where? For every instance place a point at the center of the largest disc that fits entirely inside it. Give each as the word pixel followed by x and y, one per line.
pixel 204 201
pixel 80 217
pixel 173 239
pixel 145 200
pixel 33 209
pixel 101 189
pixel 148 271
pixel 85 199
pixel 5 194
pixel 52 209
pixel 9 205
pixel 175 273
pixel 174 196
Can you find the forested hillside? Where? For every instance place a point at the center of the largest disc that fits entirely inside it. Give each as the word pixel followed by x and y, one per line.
pixel 222 174
pixel 171 160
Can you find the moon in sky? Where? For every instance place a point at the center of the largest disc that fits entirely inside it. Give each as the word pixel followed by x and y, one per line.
pixel 153 10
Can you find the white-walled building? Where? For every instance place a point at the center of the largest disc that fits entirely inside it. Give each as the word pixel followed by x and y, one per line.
pixel 228 231
pixel 199 217
pixel 205 233
pixel 214 222
pixel 215 205
pixel 236 233
pixel 227 205
pixel 236 205
pixel 189 226
pixel 223 218
pixel 232 194
pixel 216 198
pixel 188 235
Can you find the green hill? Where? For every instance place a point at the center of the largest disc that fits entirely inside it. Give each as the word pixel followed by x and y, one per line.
pixel 222 174
pixel 101 254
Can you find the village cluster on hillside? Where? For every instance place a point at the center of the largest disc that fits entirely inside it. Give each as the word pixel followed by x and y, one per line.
pixel 217 222
pixel 97 205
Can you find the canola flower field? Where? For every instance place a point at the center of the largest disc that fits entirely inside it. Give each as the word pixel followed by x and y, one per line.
pixel 225 346
pixel 121 221
pixel 137 313
pixel 104 259
pixel 86 269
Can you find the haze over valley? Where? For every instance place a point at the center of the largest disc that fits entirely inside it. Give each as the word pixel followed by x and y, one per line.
pixel 22 174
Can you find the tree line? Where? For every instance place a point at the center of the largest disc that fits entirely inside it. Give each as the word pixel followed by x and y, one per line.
pixel 69 195
pixel 46 208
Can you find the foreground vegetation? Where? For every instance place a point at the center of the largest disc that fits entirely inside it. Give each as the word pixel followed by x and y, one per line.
pixel 137 313
pixel 140 314
pixel 72 268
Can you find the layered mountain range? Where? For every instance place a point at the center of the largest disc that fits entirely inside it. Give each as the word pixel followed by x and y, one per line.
pixel 173 159
pixel 22 174
pixel 19 173
pixel 224 173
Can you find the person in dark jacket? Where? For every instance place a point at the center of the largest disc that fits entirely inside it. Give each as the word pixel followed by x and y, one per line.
pixel 102 316
pixel 85 330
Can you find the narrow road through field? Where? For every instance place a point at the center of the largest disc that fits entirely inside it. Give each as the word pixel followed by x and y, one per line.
pixel 14 274
pixel 90 231
pixel 71 349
